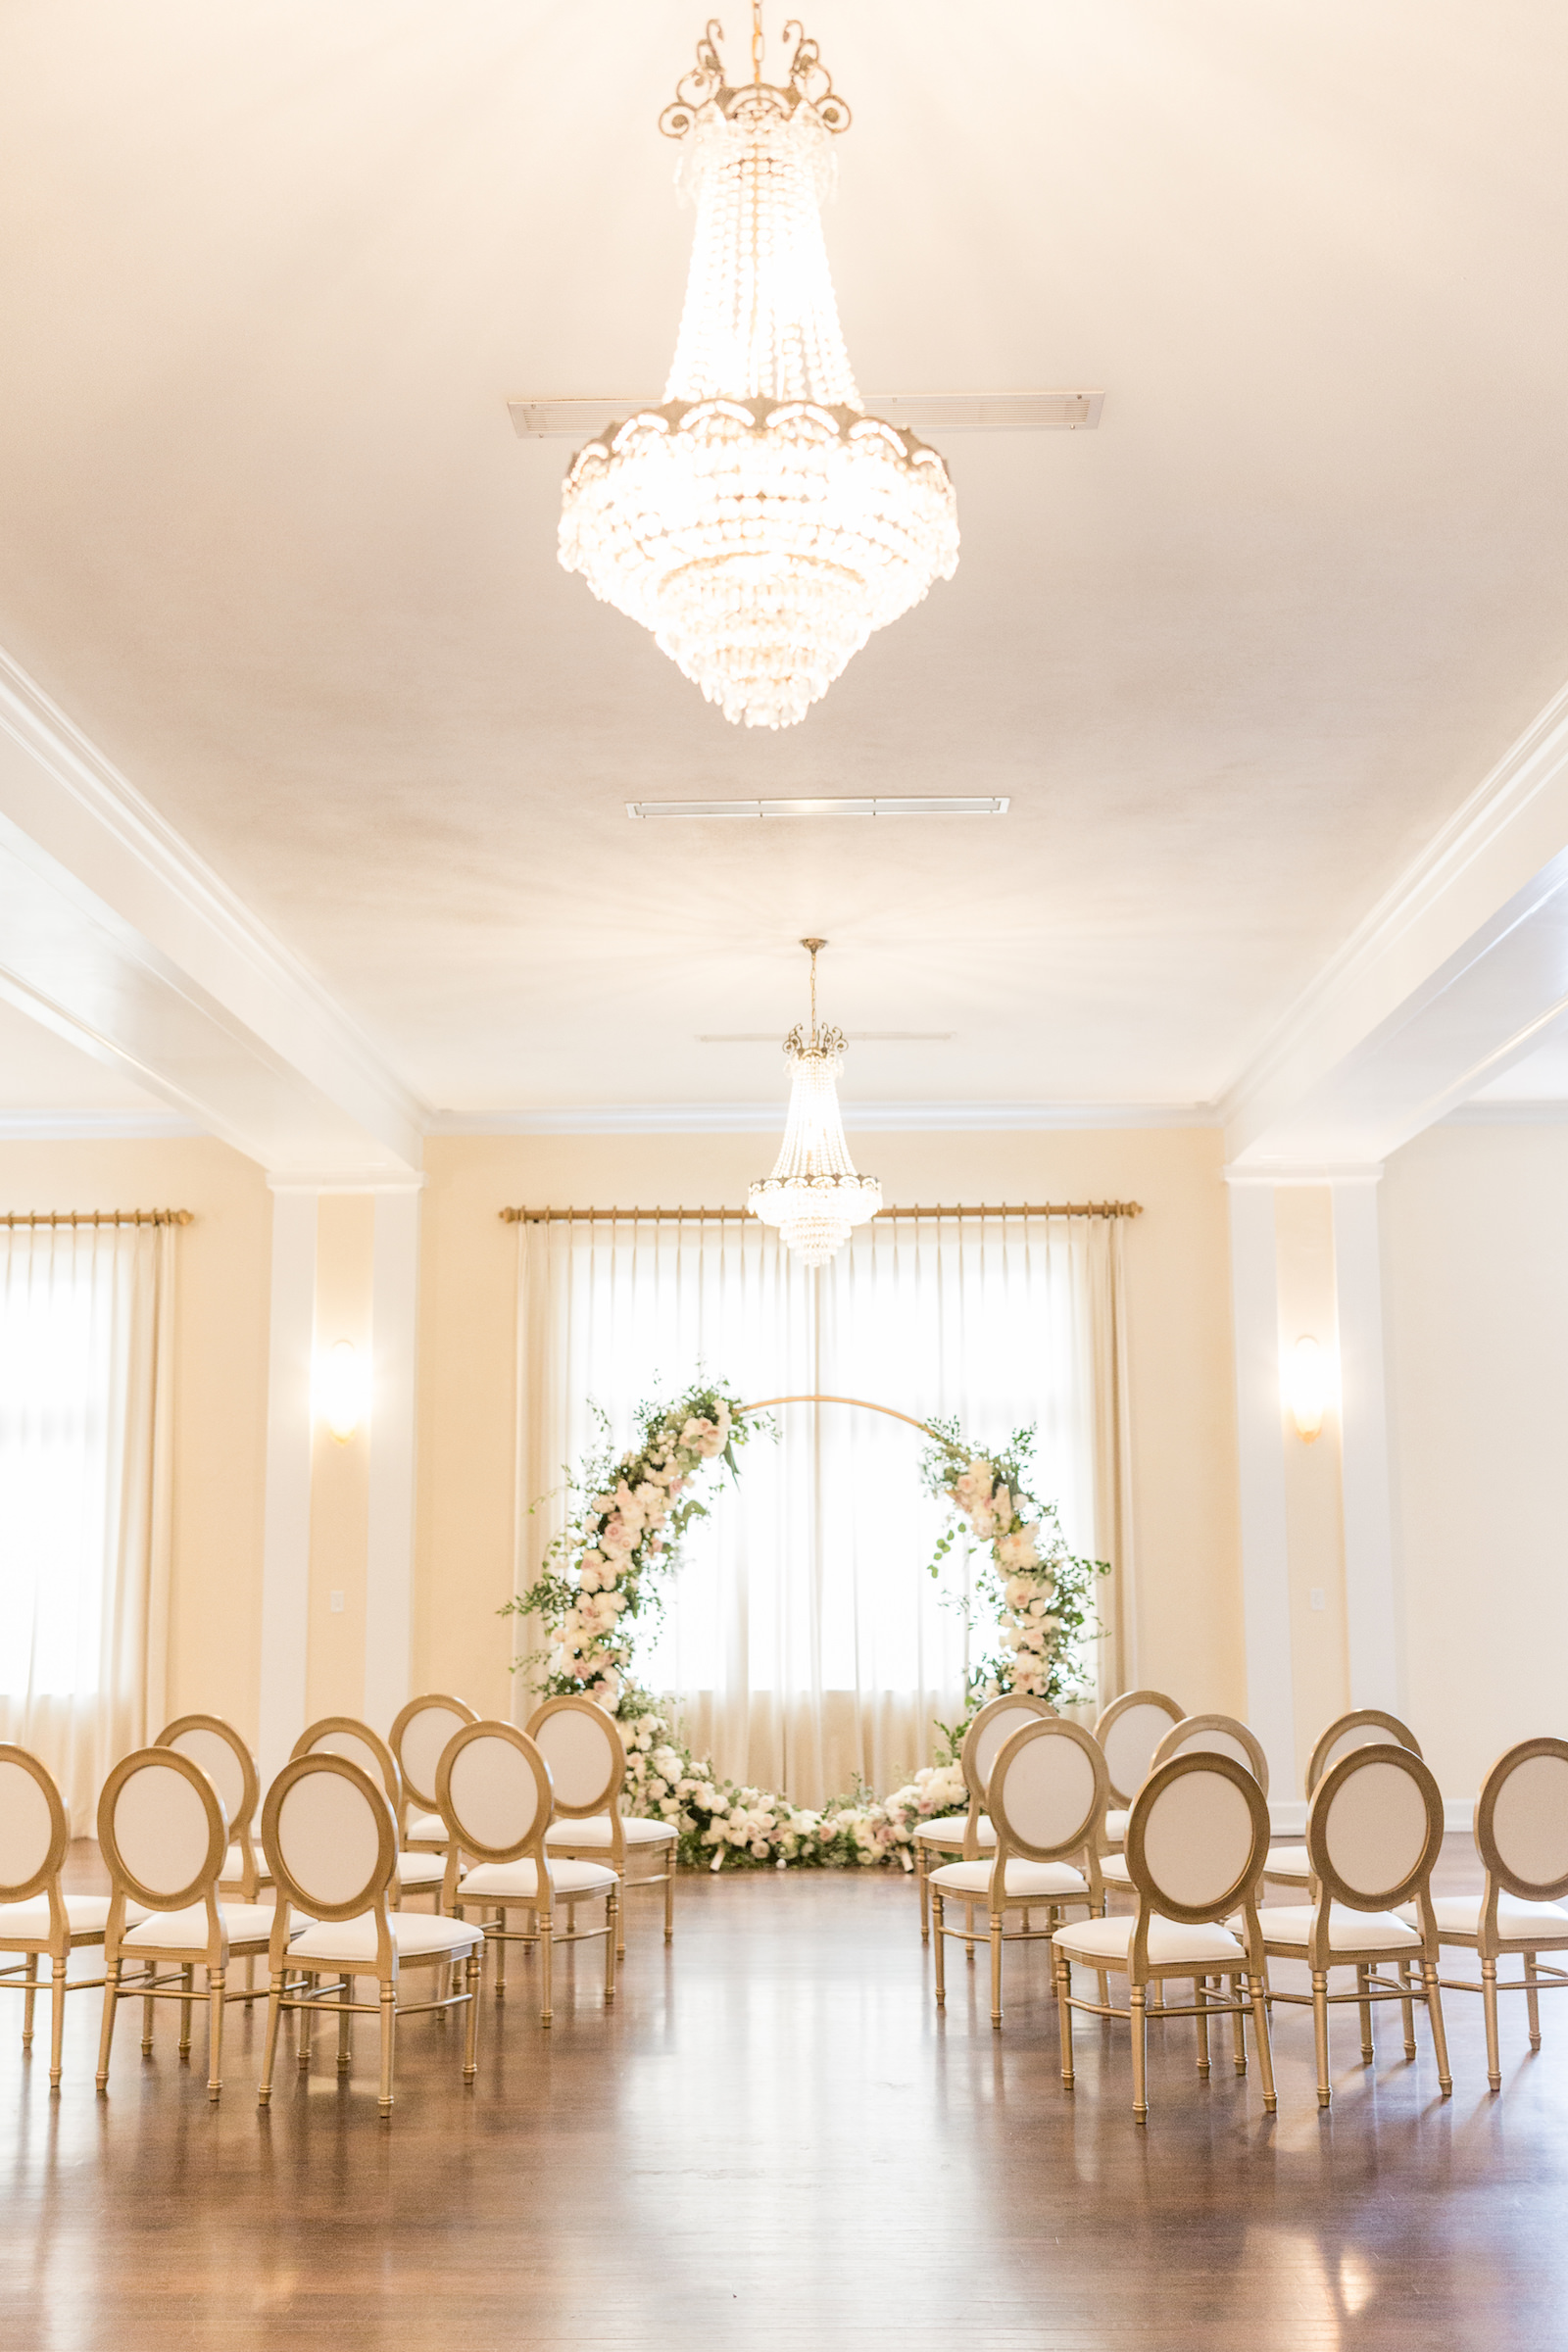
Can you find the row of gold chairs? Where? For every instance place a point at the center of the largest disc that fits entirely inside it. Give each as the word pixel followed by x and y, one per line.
pixel 531 1820
pixel 1192 1847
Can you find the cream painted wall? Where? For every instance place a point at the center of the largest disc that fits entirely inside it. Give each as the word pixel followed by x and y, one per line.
pixel 220 1391
pixel 1476 1303
pixel 1183 1409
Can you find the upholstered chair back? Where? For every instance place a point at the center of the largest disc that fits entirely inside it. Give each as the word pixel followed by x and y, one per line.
pixel 419 1736
pixel 1129 1730
pixel 1214 1736
pixel 1374 1827
pixel 987 1735
pixel 494 1790
pixel 1522 1820
pixel 1367 1727
pixel 224 1756
pixel 162 1830
pixel 346 1736
pixel 1046 1791
pixel 33 1829
pixel 330 1836
pixel 1198 1838
pixel 582 1746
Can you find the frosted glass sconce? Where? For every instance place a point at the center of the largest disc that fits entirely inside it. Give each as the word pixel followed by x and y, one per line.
pixel 1306 1388
pixel 340 1391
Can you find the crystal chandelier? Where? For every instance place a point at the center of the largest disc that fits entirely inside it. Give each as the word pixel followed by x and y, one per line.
pixel 813 1195
pixel 760 523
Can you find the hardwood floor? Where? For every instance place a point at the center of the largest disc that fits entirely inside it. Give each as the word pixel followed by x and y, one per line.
pixel 774 2144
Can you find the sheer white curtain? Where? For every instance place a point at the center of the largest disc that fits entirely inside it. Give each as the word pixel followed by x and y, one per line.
pixel 804 1640
pixel 87 1375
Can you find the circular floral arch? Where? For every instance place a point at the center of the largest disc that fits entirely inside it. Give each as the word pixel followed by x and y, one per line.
pixel 601 1574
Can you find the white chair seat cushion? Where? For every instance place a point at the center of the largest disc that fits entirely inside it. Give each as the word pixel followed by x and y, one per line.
pixel 1288 1862
pixel 86 1915
pixel 1116 1826
pixel 424 1825
pixel 1460 1915
pixel 1096 1940
pixel 1026 1880
pixel 518 1882
pixel 421 1870
pixel 950 1830
pixel 352 1942
pixel 1114 1871
pixel 1349 1930
pixel 594 1830
pixel 186 1931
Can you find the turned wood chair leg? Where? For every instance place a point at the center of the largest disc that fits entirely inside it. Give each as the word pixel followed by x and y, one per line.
pixel 1320 2034
pixel 1532 2000
pixel 1368 2053
pixel 1440 2036
pixel 1137 2003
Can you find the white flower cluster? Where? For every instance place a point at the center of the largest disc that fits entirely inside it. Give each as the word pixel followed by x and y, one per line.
pixel 1027 1554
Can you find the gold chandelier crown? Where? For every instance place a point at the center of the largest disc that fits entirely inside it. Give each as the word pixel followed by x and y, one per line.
pixel 759 522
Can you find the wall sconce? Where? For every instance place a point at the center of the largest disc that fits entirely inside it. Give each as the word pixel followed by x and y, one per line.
pixel 1306 1388
pixel 340 1391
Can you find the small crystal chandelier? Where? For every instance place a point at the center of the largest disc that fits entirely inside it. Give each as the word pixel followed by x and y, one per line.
pixel 813 1195
pixel 760 523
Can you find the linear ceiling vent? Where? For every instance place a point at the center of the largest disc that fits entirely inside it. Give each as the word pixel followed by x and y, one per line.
pixel 932 807
pixel 855 1037
pixel 579 419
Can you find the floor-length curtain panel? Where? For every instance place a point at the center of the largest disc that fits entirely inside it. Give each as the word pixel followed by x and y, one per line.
pixel 86 1396
pixel 804 1641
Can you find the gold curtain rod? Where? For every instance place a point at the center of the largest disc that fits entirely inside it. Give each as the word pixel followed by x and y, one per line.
pixel 99 1216
pixel 657 1216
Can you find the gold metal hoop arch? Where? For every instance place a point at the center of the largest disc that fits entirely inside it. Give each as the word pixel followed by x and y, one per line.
pixel 864 1403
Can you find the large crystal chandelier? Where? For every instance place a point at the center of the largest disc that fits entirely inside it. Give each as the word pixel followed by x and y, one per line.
pixel 760 523
pixel 813 1195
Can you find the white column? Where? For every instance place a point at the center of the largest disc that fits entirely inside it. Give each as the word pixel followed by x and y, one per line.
pixel 1259 1433
pixel 286 1533
pixel 1371 1617
pixel 389 1562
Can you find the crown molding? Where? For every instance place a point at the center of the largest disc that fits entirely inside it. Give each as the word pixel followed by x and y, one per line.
pixel 1488 872
pixel 862 1118
pixel 1355 1172
pixel 341 1180
pixel 50 1126
pixel 1544 1113
pixel 93 840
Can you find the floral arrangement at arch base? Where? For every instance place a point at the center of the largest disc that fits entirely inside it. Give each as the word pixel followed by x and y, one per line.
pixel 600 1585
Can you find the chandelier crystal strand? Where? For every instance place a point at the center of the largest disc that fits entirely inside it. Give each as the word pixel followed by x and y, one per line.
pixel 760 523
pixel 813 1195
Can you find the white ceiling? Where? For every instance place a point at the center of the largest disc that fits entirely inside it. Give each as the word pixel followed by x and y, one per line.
pixel 267 534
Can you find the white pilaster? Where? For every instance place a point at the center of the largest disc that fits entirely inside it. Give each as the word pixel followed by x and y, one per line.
pixel 1371 1616
pixel 389 1562
pixel 286 1533
pixel 1265 1547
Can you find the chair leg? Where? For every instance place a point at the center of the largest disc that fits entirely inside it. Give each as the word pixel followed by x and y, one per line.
pixel 107 2035
pixel 1201 2003
pixel 969 1931
pixel 922 1889
pixel 215 2032
pixel 1061 1969
pixel 1368 2053
pixel 996 1970
pixel 1265 2049
pixel 1440 2036
pixel 147 2022
pixel 275 2018
pixel 612 1933
pixel 501 1955
pixel 345 2029
pixel 470 2045
pixel 250 1980
pixel 547 1967
pixel 938 1930
pixel 1532 2000
pixel 30 1979
pixel 307 2027
pixel 1320 2033
pixel 389 2027
pixel 669 1898
pixel 1488 2002
pixel 1237 2027
pixel 57 2020
pixel 1407 2011
pixel 187 1980
pixel 1137 2003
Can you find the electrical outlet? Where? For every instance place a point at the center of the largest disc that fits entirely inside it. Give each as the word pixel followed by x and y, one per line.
pixel 1320 1599
pixel 334 1601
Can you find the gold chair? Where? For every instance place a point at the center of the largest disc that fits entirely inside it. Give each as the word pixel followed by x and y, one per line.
pixel 496 1793
pixel 1197 1736
pixel 331 1843
pixel 1047 1793
pixel 1129 1730
pixel 969 1835
pixel 345 1735
pixel 164 1834
pixel 1365 1727
pixel 229 1764
pixel 1196 1835
pixel 581 1742
pixel 1521 1832
pixel 1374 1829
pixel 417 1736
pixel 37 1919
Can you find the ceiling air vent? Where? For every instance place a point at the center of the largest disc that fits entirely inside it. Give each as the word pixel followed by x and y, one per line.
pixel 933 806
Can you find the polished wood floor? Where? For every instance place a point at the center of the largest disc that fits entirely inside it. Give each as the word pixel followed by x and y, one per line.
pixel 774 2144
